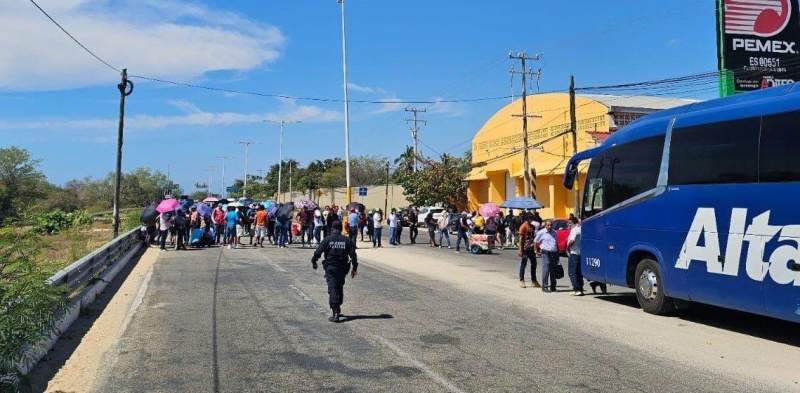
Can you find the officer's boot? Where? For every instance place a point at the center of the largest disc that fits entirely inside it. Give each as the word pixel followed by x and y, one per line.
pixel 336 315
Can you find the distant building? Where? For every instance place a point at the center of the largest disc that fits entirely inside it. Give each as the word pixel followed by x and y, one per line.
pixel 497 172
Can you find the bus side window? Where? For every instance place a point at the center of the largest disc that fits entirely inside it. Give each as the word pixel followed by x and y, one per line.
pixel 779 156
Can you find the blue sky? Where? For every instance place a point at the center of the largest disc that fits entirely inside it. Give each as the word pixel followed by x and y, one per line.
pixel 62 105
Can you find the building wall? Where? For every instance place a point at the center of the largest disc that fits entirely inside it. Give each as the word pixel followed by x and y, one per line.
pixel 375 199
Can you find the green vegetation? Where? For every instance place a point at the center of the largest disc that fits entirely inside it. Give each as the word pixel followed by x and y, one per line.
pixel 438 182
pixel 44 227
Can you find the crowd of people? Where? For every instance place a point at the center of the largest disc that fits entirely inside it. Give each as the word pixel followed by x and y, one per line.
pixel 283 224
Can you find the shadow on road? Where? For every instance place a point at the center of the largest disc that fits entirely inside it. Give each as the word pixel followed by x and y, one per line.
pixel 767 328
pixel 348 318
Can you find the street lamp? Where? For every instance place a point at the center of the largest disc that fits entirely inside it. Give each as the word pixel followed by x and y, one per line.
pixel 246 148
pixel 280 150
pixel 346 107
pixel 223 190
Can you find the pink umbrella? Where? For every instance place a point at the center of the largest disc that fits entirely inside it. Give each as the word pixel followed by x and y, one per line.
pixel 211 199
pixel 168 205
pixel 489 210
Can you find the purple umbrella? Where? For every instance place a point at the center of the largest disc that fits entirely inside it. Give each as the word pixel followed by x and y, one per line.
pixel 168 205
pixel 203 209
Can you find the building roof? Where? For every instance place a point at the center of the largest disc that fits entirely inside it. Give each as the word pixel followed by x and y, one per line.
pixel 644 104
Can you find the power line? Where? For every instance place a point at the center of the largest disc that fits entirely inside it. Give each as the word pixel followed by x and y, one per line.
pixel 89 51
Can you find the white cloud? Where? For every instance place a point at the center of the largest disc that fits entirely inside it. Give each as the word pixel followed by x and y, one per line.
pixel 366 89
pixel 389 106
pixel 445 108
pixel 168 39
pixel 195 118
pixel 185 106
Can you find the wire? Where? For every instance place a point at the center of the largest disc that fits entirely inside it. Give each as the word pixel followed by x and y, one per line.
pixel 89 51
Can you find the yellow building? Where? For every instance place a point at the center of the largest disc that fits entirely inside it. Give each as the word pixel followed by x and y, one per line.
pixel 497 156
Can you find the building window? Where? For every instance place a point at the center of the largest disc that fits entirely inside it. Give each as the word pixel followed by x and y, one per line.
pixel 622 119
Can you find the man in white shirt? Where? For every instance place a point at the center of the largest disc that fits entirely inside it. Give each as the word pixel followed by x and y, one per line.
pixel 393 227
pixel 547 243
pixel 574 248
pixel 377 220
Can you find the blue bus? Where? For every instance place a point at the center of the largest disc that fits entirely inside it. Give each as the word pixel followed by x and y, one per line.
pixel 699 203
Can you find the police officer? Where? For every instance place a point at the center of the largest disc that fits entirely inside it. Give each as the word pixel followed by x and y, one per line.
pixel 337 249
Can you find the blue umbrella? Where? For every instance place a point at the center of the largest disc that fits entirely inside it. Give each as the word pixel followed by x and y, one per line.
pixel 522 203
pixel 203 209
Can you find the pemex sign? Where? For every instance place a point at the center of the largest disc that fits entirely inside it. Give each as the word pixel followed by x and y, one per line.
pixel 758 44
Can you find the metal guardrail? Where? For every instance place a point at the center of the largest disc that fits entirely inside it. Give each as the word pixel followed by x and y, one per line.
pixel 85 270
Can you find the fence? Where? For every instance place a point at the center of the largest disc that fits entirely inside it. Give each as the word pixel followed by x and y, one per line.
pixel 85 279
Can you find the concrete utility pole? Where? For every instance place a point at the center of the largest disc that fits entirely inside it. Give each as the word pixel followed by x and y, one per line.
pixel 246 148
pixel 223 190
pixel 346 108
pixel 125 88
pixel 291 193
pixel 386 194
pixel 210 179
pixel 280 151
pixel 523 58
pixel 573 125
pixel 414 130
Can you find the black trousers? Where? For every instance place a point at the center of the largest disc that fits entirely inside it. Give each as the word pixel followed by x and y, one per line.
pixel 412 232
pixel 335 276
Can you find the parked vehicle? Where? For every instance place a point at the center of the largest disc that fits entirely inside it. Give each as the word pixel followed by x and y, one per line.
pixel 561 226
pixel 423 212
pixel 698 203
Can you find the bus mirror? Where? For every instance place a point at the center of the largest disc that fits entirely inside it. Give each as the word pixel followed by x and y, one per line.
pixel 569 176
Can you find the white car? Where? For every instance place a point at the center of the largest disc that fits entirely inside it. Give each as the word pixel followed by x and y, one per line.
pixel 423 212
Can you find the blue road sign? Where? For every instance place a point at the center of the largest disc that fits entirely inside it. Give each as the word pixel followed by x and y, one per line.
pixel 362 191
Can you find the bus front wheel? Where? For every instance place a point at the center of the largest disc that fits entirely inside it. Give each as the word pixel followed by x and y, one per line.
pixel 649 283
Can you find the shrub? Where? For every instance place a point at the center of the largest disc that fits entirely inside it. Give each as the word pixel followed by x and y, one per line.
pixel 27 303
pixel 56 221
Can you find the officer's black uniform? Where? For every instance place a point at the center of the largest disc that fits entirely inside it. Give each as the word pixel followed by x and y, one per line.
pixel 337 249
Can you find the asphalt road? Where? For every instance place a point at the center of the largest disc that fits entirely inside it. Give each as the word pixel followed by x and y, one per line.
pixel 219 320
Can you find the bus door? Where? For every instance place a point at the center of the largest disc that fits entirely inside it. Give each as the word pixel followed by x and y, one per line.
pixel 593 231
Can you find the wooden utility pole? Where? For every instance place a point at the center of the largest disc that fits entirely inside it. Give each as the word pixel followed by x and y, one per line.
pixel 386 194
pixel 573 124
pixel 125 88
pixel 522 57
pixel 414 131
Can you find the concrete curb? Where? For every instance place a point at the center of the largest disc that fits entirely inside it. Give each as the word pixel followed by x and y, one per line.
pixel 34 353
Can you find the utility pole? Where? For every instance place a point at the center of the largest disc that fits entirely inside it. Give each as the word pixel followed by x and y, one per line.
pixel 125 88
pixel 414 130
pixel 291 194
pixel 523 58
pixel 210 179
pixel 223 190
pixel 346 108
pixel 386 194
pixel 573 124
pixel 280 151
pixel 246 148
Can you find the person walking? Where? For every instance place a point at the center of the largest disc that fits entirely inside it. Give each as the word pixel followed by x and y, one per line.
pixel 362 223
pixel 430 223
pixel 377 222
pixel 370 226
pixel 546 241
pixel 463 229
pixel 261 220
pixel 165 221
pixel 231 221
pixel 318 225
pixel 352 225
pixel 574 267
pixel 527 251
pixel 182 229
pixel 511 228
pixel 398 229
pixel 392 227
pixel 218 216
pixel 329 219
pixel 501 230
pixel 340 253
pixel 444 224
pixel 413 220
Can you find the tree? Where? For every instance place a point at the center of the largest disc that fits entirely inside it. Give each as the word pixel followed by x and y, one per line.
pixel 438 183
pixel 21 182
pixel 368 170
